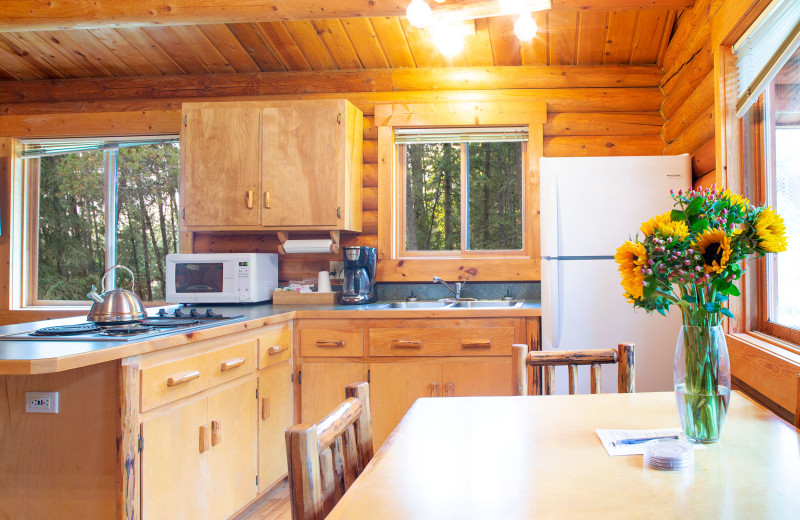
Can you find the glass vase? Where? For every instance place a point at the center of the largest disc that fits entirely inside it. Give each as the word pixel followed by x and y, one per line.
pixel 702 378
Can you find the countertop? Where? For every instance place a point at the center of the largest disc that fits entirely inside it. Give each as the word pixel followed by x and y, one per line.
pixel 37 357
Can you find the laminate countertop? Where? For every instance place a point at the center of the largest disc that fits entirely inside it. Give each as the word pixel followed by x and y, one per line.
pixel 39 357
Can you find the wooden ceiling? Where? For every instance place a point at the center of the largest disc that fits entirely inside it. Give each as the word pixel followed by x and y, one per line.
pixel 574 34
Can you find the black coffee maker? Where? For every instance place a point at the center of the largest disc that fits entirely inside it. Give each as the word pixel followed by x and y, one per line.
pixel 359 275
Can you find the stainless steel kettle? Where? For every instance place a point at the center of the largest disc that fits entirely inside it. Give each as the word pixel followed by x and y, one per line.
pixel 116 305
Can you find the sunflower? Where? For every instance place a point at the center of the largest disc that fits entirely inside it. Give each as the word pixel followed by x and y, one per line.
pixel 715 246
pixel 771 231
pixel 631 256
pixel 734 199
pixel 665 226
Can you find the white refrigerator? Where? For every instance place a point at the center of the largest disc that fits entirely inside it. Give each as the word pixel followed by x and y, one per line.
pixel 589 206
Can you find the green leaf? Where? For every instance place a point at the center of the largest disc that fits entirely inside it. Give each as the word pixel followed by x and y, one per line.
pixel 733 290
pixel 695 206
pixel 726 312
pixel 648 291
pixel 720 204
pixel 677 214
pixel 689 298
pixel 700 225
pixel 661 311
pixel 711 307
pixel 721 297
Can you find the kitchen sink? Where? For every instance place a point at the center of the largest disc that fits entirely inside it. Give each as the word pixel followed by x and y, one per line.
pixel 451 304
pixel 488 304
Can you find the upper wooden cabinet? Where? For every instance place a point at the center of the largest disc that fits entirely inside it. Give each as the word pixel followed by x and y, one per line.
pixel 283 165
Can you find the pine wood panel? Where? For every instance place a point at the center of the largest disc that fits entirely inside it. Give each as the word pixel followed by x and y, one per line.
pixel 471 378
pixel 339 45
pixel 478 48
pixel 563 31
pixel 75 464
pixel 322 387
pixel 224 41
pixel 122 49
pixel 305 37
pixel 150 50
pixel 275 414
pixel 282 44
pixel 177 49
pixel 393 41
pixel 592 30
pixel 698 101
pixel 587 146
pixel 251 39
pixel 695 135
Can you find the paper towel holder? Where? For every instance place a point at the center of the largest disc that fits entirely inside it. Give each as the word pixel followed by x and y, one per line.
pixel 334 236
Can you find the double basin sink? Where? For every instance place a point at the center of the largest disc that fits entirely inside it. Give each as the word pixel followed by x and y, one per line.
pixel 451 304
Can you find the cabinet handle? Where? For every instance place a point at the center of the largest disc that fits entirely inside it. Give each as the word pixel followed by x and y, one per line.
pixel 183 378
pixel 401 343
pixel 216 432
pixel 448 390
pixel 264 408
pixel 276 349
pixel 335 343
pixel 266 199
pixel 205 439
pixel 249 197
pixel 434 390
pixel 233 363
pixel 476 344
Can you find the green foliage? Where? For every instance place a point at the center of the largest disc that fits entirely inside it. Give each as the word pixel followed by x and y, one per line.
pixel 72 221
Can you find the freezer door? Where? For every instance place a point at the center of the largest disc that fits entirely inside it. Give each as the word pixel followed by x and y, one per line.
pixel 583 308
pixel 590 205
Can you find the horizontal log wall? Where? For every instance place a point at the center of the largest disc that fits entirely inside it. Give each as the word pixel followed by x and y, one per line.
pixel 591 111
pixel 688 85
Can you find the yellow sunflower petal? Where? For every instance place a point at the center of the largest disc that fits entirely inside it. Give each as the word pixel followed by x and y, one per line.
pixel 665 226
pixel 715 246
pixel 771 231
pixel 631 256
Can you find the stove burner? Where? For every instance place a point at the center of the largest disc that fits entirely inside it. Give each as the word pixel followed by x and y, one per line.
pixel 126 329
pixel 67 330
pixel 167 322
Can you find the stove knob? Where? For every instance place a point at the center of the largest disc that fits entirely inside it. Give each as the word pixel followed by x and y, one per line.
pixel 194 314
pixel 161 313
pixel 178 314
pixel 210 314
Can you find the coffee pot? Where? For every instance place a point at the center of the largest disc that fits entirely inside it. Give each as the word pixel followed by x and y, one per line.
pixel 360 264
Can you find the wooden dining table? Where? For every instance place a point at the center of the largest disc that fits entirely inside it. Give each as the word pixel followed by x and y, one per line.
pixel 539 457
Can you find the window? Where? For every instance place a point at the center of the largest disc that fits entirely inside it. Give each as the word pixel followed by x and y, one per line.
pixel 463 189
pixel 768 66
pixel 71 237
pixel 458 190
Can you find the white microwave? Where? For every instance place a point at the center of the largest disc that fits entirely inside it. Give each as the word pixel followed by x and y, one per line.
pixel 221 277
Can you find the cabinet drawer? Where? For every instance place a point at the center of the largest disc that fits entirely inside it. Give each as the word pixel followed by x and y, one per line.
pixel 173 380
pixel 275 345
pixel 465 339
pixel 331 343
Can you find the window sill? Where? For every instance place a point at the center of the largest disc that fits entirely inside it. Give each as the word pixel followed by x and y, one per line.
pixel 767 365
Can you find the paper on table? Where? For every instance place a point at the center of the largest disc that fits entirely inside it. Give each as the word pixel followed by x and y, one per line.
pixel 609 437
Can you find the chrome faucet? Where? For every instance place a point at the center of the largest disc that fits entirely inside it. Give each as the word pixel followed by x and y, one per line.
pixel 458 285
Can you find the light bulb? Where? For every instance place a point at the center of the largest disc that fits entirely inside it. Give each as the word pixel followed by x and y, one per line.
pixel 448 38
pixel 525 27
pixel 419 14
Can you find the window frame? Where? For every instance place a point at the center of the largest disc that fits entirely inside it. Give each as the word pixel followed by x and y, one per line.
pixel 393 265
pixel 463 252
pixel 25 246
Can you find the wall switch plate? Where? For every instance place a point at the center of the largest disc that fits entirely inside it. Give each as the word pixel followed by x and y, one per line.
pixel 41 402
pixel 338 268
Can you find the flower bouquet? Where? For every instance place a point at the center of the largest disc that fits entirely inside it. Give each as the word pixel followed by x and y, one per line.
pixel 690 257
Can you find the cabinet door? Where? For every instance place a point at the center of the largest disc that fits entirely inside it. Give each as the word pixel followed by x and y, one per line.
pixel 232 458
pixel 174 481
pixel 476 378
pixel 220 166
pixel 322 387
pixel 394 387
pixel 301 165
pixel 275 414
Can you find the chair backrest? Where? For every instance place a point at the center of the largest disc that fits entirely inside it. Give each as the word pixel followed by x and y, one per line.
pixel 549 359
pixel 325 458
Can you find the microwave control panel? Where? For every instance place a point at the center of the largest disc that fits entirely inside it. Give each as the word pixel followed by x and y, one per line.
pixel 243 281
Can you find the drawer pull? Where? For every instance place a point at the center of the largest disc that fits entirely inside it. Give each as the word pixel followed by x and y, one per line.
pixel 448 390
pixel 338 343
pixel 183 378
pixel 216 433
pixel 276 349
pixel 400 343
pixel 233 363
pixel 434 389
pixel 205 439
pixel 476 344
pixel 249 199
pixel 264 408
pixel 267 200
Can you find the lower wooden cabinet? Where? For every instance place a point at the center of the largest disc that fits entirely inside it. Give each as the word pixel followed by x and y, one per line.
pixel 275 414
pixel 323 385
pixel 200 457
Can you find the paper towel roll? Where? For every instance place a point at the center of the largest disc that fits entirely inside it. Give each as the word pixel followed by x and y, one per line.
pixel 308 246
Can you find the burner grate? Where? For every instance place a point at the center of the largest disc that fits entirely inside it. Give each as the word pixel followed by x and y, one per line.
pixel 126 329
pixel 67 330
pixel 167 322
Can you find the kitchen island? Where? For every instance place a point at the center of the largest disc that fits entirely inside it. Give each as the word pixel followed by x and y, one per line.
pixel 190 425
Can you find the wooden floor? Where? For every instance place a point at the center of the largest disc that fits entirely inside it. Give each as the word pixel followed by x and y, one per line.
pixel 274 506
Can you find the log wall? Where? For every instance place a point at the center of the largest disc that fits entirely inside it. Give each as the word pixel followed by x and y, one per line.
pixel 688 86
pixel 591 111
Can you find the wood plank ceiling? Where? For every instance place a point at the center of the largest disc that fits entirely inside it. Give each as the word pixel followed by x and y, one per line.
pixel 577 37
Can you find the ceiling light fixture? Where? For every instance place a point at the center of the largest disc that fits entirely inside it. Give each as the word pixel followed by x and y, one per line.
pixel 448 38
pixel 525 27
pixel 419 14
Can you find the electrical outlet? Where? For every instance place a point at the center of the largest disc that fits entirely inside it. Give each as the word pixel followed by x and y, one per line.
pixel 41 402
pixel 338 268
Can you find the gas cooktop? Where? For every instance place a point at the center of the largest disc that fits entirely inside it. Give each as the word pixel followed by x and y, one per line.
pixel 159 324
